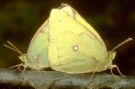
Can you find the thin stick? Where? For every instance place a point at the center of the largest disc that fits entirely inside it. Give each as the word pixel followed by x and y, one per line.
pixel 122 43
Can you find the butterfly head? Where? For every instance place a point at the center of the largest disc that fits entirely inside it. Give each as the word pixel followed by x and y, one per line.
pixel 111 56
pixel 112 53
pixel 23 58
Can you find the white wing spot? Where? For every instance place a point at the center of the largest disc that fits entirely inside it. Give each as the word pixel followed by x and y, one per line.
pixel 75 48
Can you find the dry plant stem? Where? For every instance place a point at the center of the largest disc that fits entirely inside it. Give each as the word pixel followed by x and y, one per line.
pixel 59 80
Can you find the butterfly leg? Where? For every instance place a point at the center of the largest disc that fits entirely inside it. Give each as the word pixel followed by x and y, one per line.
pixel 115 66
pixel 97 64
pixel 89 85
pixel 18 66
pixel 94 71
pixel 24 68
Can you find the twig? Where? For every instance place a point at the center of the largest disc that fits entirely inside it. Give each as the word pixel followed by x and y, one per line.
pixel 59 80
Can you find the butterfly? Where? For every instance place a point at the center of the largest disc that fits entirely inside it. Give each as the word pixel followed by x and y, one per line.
pixel 66 42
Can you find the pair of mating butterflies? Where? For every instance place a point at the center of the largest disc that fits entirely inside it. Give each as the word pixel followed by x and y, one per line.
pixel 66 42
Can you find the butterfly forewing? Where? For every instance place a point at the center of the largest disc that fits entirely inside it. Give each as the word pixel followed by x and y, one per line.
pixel 74 48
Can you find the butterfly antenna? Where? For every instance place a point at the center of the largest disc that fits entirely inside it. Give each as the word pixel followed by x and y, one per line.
pixel 122 43
pixel 12 47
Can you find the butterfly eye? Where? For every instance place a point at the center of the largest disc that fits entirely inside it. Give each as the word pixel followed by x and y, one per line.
pixel 75 48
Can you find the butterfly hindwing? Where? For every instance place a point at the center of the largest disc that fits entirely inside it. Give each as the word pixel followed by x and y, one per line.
pixel 38 48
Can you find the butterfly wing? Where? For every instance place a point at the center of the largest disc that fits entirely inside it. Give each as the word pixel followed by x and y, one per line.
pixel 38 48
pixel 75 47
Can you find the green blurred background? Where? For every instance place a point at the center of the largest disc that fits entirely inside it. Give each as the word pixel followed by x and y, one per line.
pixel 113 19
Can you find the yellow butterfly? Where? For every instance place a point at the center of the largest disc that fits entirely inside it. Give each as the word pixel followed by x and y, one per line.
pixel 67 43
pixel 75 46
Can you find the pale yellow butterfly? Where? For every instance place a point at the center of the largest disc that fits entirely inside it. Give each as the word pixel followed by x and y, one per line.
pixel 67 43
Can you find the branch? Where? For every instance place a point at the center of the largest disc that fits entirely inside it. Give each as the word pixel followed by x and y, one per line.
pixel 59 80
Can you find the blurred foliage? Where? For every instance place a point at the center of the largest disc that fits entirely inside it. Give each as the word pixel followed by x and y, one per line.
pixel 113 19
